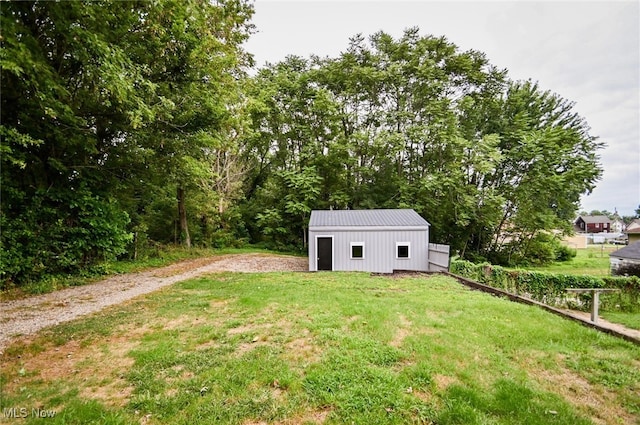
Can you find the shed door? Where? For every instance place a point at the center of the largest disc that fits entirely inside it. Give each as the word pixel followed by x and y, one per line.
pixel 324 247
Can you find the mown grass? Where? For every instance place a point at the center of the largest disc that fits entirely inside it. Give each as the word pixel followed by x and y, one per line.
pixel 630 320
pixel 592 261
pixel 304 348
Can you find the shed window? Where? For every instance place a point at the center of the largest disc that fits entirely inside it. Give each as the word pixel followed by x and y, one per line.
pixel 357 250
pixel 403 250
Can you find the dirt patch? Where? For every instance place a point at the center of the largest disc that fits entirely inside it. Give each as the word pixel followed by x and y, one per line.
pixel 443 382
pixel 245 347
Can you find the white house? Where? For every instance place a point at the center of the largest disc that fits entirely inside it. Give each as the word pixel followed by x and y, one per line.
pixel 380 241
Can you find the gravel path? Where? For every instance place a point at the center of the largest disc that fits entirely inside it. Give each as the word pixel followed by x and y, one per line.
pixel 28 316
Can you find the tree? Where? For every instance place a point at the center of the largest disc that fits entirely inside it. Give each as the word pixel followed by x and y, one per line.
pixel 294 163
pixel 416 123
pixel 69 93
pixel 103 106
pixel 195 61
pixel 548 161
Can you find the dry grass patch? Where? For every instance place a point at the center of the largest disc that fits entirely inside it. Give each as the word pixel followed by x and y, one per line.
pixel 595 401
pixel 402 332
pixel 443 382
pixel 249 328
pixel 181 322
pixel 315 417
pixel 302 351
pixel 97 371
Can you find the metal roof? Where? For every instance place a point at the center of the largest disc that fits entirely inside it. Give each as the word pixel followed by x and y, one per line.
pixel 630 251
pixel 367 218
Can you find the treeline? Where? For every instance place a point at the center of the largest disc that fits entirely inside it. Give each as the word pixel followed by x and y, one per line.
pixel 130 124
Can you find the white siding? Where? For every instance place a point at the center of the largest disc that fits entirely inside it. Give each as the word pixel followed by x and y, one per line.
pixel 379 250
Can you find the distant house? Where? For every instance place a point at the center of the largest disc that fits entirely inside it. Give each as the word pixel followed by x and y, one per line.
pixel 593 224
pixel 633 231
pixel 381 240
pixel 627 256
pixel 635 224
pixel 617 225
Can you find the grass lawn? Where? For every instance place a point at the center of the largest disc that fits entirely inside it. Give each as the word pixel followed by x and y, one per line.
pixel 630 320
pixel 333 348
pixel 593 261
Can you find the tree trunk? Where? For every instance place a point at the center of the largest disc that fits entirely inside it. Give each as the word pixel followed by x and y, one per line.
pixel 185 239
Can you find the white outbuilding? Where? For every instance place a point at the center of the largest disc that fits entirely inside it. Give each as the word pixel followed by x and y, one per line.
pixel 381 240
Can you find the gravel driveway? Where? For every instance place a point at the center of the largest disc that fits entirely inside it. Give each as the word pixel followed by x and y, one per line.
pixel 27 316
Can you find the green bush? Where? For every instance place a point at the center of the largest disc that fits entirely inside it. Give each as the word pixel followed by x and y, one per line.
pixel 543 249
pixel 564 253
pixel 53 233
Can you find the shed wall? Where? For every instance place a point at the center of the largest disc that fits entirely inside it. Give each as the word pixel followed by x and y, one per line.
pixel 379 250
pixel 617 263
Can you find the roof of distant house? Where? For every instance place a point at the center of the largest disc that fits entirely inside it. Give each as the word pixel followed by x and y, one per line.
pixel 635 224
pixel 592 219
pixel 630 251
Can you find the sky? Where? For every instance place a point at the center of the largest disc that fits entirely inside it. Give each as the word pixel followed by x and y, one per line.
pixel 588 52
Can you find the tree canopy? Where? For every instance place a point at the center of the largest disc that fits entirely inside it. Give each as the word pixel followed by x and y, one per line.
pixel 110 110
pixel 130 124
pixel 416 123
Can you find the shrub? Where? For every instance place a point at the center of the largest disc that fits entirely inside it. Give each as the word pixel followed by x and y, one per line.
pixel 61 232
pixel 564 253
